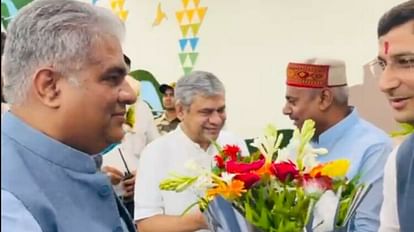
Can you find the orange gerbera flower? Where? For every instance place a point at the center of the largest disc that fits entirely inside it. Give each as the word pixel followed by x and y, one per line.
pixel 265 170
pixel 227 191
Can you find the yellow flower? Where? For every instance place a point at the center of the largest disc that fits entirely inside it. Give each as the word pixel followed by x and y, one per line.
pixel 336 168
pixel 228 191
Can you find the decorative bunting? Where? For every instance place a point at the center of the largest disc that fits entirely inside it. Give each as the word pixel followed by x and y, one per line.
pixel 193 43
pixel 179 15
pixel 201 13
pixel 184 30
pixel 190 14
pixel 196 3
pixel 121 4
pixel 189 18
pixel 117 7
pixel 185 3
pixel 183 43
pixel 114 4
pixel 123 15
pixel 183 57
pixel 187 70
pixel 195 27
pixel 193 57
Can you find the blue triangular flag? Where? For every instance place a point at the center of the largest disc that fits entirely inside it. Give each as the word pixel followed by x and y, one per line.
pixel 194 42
pixel 183 43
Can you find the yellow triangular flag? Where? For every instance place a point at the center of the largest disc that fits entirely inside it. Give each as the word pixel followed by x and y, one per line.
pixel 185 3
pixel 179 15
pixel 195 27
pixel 201 13
pixel 114 4
pixel 123 15
pixel 196 3
pixel 190 14
pixel 184 30
pixel 121 4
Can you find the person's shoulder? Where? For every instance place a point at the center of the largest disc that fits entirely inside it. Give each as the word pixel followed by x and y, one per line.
pixel 163 142
pixel 159 118
pixel 371 131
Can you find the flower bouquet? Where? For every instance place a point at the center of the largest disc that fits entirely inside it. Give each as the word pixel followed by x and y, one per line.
pixel 274 189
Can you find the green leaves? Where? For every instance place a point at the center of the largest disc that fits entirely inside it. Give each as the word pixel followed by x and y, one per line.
pixel 286 209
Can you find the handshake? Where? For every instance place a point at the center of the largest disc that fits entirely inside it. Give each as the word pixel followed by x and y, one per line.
pixel 124 183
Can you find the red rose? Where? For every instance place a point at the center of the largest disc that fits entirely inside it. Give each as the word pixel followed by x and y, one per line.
pixel 321 183
pixel 219 161
pixel 248 178
pixel 283 170
pixel 231 151
pixel 239 167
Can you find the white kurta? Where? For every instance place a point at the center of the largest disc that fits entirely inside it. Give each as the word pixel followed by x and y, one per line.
pixel 169 154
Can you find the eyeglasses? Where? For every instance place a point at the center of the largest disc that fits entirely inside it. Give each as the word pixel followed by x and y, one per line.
pixel 400 63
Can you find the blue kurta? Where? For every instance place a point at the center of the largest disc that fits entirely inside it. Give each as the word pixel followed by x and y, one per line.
pixel 405 184
pixel 59 187
pixel 367 147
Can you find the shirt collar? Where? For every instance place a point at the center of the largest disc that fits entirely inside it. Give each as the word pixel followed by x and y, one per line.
pixel 190 142
pixel 330 136
pixel 46 147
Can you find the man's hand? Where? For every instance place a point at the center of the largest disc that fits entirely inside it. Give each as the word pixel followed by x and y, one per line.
pixel 168 223
pixel 199 218
pixel 115 175
pixel 129 185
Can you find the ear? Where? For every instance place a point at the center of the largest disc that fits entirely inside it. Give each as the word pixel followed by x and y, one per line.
pixel 326 99
pixel 46 87
pixel 179 109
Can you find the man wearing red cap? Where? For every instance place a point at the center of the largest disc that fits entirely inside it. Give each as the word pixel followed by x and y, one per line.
pixel 317 89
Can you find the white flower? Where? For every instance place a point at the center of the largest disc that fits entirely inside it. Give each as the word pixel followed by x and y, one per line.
pixel 269 143
pixel 324 212
pixel 227 177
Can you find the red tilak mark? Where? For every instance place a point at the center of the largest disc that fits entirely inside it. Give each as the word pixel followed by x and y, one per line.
pixel 386 47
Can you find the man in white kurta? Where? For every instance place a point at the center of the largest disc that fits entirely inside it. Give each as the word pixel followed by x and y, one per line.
pixel 169 154
pixel 200 107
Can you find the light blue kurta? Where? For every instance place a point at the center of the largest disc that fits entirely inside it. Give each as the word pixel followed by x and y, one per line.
pixel 367 147
pixel 49 185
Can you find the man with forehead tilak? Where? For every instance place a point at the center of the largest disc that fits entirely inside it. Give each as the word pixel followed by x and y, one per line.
pixel 396 63
pixel 317 89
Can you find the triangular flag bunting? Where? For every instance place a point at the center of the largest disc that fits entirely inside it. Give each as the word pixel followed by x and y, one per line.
pixel 190 14
pixel 193 42
pixel 185 3
pixel 195 27
pixel 187 70
pixel 196 3
pixel 123 15
pixel 179 15
pixel 182 56
pixel 187 62
pixel 183 43
pixel 113 3
pixel 184 30
pixel 201 13
pixel 121 4
pixel 193 57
